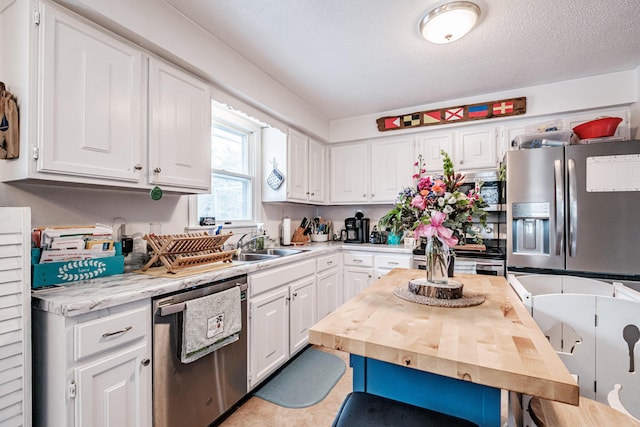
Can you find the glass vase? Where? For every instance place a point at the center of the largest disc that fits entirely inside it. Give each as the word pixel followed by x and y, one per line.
pixel 438 257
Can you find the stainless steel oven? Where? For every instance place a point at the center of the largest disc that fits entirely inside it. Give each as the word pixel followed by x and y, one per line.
pixel 489 267
pixel 196 393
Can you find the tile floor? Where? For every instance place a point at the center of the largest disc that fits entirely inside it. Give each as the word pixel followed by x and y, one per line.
pixel 256 412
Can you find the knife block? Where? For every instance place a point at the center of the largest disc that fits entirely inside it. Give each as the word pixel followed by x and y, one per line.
pixel 299 238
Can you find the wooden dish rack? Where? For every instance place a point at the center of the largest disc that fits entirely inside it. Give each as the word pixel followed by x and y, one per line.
pixel 177 251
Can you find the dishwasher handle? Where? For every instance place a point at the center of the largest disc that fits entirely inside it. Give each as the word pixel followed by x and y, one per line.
pixel 168 310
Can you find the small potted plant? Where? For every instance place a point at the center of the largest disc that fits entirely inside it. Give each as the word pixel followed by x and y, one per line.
pixel 395 223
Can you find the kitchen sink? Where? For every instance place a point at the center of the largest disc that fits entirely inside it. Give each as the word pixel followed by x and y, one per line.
pixel 265 254
pixel 277 251
pixel 252 257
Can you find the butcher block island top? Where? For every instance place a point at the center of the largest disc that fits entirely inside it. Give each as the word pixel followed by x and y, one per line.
pixel 496 343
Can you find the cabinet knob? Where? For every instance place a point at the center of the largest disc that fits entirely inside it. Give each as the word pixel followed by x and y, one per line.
pixel 364 195
pixel 145 362
pixel 460 161
pixel 313 194
pixel 307 193
pixel 372 195
pixel 138 167
pixel 157 170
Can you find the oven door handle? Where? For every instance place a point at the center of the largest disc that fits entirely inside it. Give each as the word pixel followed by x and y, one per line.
pixel 168 310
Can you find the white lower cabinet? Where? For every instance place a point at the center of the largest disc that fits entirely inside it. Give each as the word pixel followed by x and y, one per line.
pixel 268 331
pixel 93 369
pixel 302 312
pixel 386 263
pixel 328 284
pixel 358 273
pixel 282 308
pixel 111 390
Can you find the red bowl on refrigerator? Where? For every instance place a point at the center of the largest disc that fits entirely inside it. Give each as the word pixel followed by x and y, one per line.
pixel 598 128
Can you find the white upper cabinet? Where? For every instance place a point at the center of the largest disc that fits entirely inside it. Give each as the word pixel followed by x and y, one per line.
pixel 297 155
pixel 371 172
pixel 106 112
pixel 391 167
pixel 91 102
pixel 317 166
pixel 179 128
pixel 300 160
pixel 476 149
pixel 430 146
pixel 349 173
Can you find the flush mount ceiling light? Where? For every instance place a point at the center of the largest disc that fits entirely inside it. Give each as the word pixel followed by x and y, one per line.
pixel 449 22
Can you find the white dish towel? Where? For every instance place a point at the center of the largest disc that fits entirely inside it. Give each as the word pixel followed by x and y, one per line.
pixel 209 323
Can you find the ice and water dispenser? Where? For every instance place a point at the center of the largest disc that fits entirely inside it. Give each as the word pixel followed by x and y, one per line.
pixel 530 228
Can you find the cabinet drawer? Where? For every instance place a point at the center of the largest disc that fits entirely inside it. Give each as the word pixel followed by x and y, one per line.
pixel 102 334
pixel 273 278
pixel 327 262
pixel 393 261
pixel 362 260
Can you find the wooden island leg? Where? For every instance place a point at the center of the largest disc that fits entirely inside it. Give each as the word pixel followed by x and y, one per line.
pixel 474 402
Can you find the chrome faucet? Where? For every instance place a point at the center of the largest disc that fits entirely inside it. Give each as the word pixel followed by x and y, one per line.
pixel 240 245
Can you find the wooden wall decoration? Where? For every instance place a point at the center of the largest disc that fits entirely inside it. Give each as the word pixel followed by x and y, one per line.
pixel 463 113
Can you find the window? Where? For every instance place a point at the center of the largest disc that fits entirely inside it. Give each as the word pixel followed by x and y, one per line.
pixel 234 141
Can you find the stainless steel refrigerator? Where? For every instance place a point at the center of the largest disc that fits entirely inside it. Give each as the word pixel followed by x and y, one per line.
pixel 575 208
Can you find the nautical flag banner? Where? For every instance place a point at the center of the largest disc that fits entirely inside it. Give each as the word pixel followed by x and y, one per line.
pixel 477 111
pixel 457 114
pixel 392 122
pixel 431 117
pixel 452 114
pixel 411 120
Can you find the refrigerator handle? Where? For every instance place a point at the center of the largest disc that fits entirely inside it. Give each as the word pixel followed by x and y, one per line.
pixel 559 195
pixel 573 207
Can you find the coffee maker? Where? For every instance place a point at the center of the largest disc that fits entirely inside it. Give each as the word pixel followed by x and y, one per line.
pixel 357 229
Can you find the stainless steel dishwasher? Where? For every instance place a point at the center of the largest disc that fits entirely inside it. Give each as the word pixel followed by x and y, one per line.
pixel 197 393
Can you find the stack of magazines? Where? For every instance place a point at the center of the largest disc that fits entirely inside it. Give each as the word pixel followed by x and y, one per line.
pixel 74 243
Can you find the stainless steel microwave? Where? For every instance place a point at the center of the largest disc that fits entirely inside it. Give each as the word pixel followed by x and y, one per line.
pixel 493 190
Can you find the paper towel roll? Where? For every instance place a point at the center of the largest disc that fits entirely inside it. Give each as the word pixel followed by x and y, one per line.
pixel 286 231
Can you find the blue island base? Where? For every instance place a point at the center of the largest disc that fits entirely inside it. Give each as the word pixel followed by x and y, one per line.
pixel 474 402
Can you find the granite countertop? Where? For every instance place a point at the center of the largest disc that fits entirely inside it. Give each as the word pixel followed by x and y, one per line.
pixel 496 343
pixel 89 295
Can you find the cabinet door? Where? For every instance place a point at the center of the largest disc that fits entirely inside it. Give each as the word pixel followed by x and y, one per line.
pixel 391 168
pixel 430 147
pixel 316 171
pixel 349 173
pixel 302 314
pixel 356 280
pixel 297 155
pixel 116 391
pixel 179 128
pixel 91 102
pixel 269 334
pixel 476 149
pixel 329 293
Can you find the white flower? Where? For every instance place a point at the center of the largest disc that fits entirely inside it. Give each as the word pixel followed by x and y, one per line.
pixel 447 209
pixel 441 201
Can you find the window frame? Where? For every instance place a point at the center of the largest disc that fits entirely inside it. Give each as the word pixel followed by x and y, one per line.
pixel 225 116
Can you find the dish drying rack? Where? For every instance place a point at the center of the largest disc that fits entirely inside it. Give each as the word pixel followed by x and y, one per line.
pixel 178 251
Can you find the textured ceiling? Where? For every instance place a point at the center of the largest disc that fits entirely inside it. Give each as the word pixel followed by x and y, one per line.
pixel 354 57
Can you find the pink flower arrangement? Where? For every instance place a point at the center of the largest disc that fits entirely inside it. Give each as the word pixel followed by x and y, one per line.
pixel 435 206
